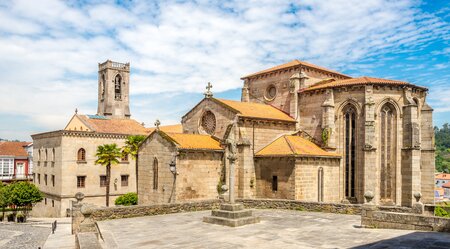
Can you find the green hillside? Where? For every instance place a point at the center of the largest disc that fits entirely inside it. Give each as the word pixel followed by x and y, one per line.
pixel 442 136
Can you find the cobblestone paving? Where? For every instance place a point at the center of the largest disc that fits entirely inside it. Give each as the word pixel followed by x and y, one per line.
pixel 23 236
pixel 278 229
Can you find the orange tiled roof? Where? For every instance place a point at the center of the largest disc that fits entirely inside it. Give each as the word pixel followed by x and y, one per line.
pixel 115 126
pixel 442 176
pixel 289 145
pixel 194 141
pixel 330 83
pixel 15 149
pixel 256 110
pixel 178 128
pixel 294 63
pixel 447 185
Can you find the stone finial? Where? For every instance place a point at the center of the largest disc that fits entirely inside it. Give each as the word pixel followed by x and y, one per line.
pixel 157 123
pixel 303 75
pixel 417 195
pixel 76 110
pixel 143 124
pixel 369 196
pixel 208 93
pixel 224 188
pixel 79 196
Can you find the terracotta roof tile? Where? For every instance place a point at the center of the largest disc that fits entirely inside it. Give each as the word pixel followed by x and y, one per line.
pixel 194 141
pixel 116 126
pixel 294 63
pixel 442 176
pixel 256 110
pixel 289 145
pixel 178 128
pixel 15 149
pixel 330 83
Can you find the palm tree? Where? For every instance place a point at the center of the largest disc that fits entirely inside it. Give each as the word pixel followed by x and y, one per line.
pixel 131 148
pixel 107 155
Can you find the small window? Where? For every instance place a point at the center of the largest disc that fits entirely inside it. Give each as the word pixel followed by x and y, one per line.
pixel 274 183
pixel 53 180
pixel 124 180
pixel 39 178
pixel 45 201
pixel 103 181
pixel 53 154
pixel 155 174
pixel 81 181
pixel 45 179
pixel 53 203
pixel 124 158
pixel 34 177
pixel 81 155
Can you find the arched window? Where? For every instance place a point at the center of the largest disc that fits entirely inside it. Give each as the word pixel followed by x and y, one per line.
pixel 155 173
pixel 388 148
pixel 102 85
pixel 118 87
pixel 320 185
pixel 350 150
pixel 81 155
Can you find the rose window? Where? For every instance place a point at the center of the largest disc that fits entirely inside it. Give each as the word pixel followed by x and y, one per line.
pixel 208 122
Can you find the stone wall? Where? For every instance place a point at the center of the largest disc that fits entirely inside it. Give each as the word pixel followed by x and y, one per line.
pixel 371 217
pixel 283 169
pixel 302 206
pixel 149 210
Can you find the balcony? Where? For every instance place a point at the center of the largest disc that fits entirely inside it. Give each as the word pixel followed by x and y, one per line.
pixel 16 177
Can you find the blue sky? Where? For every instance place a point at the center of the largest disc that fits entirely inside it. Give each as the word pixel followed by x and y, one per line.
pixel 49 51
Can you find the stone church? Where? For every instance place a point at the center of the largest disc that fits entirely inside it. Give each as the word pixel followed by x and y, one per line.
pixel 300 132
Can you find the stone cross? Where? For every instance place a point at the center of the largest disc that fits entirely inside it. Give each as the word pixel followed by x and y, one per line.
pixel 76 110
pixel 208 93
pixel 157 123
pixel 232 158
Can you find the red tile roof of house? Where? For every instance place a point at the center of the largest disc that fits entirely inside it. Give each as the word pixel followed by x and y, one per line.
pixel 110 125
pixel 331 83
pixel 15 149
pixel 177 128
pixel 295 63
pixel 442 176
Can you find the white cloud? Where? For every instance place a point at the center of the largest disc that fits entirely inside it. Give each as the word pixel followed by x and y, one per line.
pixel 49 49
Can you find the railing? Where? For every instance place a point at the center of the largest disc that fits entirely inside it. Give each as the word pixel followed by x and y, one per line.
pixel 54 227
pixel 16 177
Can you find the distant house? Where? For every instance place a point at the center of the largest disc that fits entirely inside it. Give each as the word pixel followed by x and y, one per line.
pixel 446 188
pixel 441 179
pixel 15 161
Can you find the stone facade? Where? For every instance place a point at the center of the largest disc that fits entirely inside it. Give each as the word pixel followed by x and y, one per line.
pixel 65 168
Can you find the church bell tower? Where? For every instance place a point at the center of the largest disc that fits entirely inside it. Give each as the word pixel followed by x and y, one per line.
pixel 113 89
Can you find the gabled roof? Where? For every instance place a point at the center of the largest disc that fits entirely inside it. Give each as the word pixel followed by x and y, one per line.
pixel 289 145
pixel 331 83
pixel 102 124
pixel 177 128
pixel 190 141
pixel 255 110
pixel 15 149
pixel 295 63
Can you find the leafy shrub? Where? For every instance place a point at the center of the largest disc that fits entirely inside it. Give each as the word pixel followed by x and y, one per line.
pixel 127 199
pixel 20 217
pixel 11 216
pixel 442 211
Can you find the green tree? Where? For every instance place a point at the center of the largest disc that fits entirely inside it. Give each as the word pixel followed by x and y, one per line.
pixel 131 148
pixel 107 155
pixel 5 198
pixel 24 194
pixel 442 139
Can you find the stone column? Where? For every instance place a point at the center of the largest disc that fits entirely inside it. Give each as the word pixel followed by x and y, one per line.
pixel 247 169
pixel 296 82
pixel 411 175
pixel 370 171
pixel 427 157
pixel 245 96
pixel 328 122
pixel 232 158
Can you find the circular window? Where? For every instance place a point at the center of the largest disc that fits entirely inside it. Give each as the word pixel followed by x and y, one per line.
pixel 208 122
pixel 271 92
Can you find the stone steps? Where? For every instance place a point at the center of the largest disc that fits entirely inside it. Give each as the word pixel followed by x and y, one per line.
pixel 232 215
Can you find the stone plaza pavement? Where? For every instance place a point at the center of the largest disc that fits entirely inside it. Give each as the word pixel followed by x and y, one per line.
pixel 278 229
